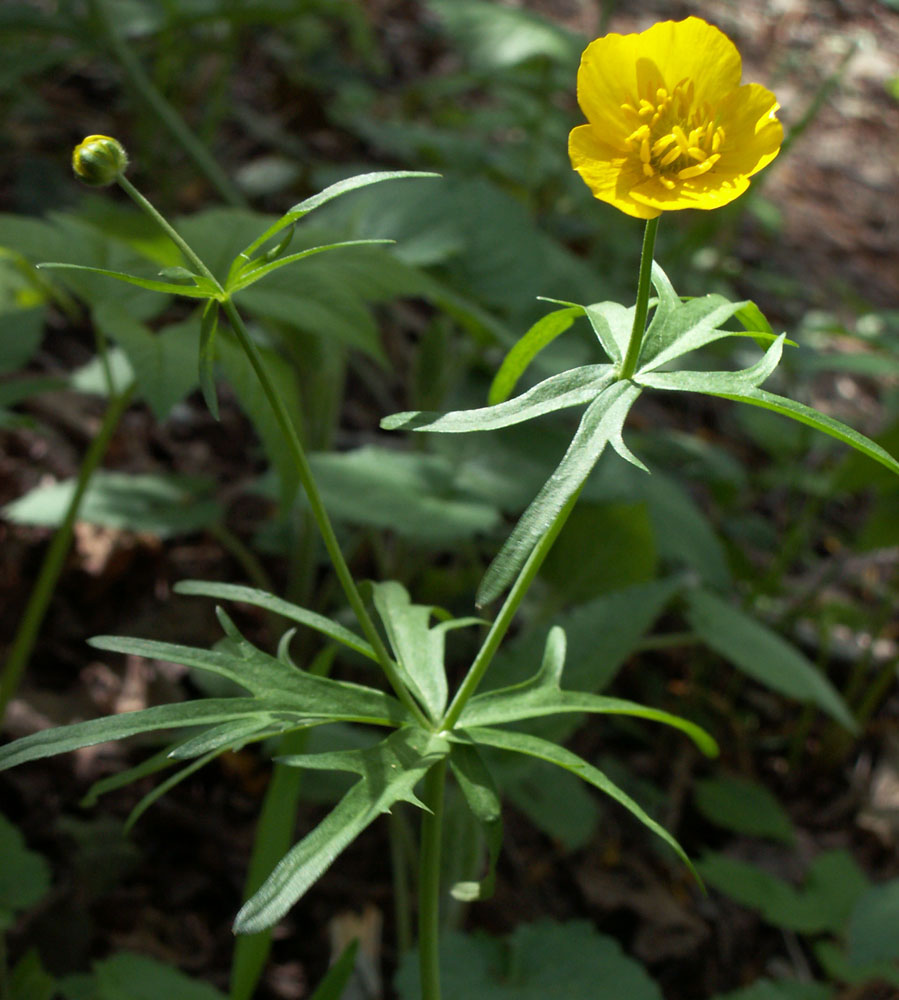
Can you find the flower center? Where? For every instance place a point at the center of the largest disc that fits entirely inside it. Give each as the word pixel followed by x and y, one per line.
pixel 674 140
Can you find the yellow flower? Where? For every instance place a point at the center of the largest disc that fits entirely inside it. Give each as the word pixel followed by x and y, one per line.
pixel 670 126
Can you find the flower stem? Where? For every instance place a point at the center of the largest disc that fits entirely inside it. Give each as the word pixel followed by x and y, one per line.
pixel 316 505
pixel 506 613
pixel 629 365
pixel 51 567
pixel 170 118
pixel 429 883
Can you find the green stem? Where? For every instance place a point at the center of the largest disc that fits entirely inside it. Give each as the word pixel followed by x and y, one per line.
pixel 506 613
pixel 316 505
pixel 170 118
pixel 51 568
pixel 629 365
pixel 399 863
pixel 172 233
pixel 429 883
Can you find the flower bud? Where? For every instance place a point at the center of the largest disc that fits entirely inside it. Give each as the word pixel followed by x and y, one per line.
pixel 99 160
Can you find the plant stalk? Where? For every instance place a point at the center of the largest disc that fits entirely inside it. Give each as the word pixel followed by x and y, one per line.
pixel 629 365
pixel 506 613
pixel 429 882
pixel 51 567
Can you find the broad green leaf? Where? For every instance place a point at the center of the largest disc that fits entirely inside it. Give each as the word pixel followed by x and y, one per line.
pixel 540 335
pixel 180 715
pixel 388 773
pixel 250 275
pixel 148 283
pixel 17 390
pixel 806 415
pixel 297 691
pixel 832 886
pixel 159 505
pixel 601 424
pixel 417 496
pixel 743 806
pixel 333 191
pixel 29 980
pixel 873 934
pixel 716 383
pixel 483 799
pixel 571 388
pixel 533 746
pixel 763 654
pixel 834 961
pixel 418 648
pixel 336 978
pixel 542 695
pixel 163 362
pixel 133 977
pixel 260 599
pixel 24 874
pixel 539 961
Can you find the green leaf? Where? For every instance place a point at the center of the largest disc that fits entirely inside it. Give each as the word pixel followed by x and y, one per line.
pixel 483 800
pixel 148 283
pixel 768 989
pixel 294 613
pixel 333 191
pixel 24 874
pixel 417 647
pixel 209 711
pixel 533 746
pixel 539 961
pixel 806 415
pixel 159 505
pixel 388 773
pixel 612 323
pixel 206 357
pixel 833 884
pixel 337 977
pixel 542 695
pixel 133 977
pixel 30 980
pixel 540 335
pixel 716 383
pixel 762 654
pixel 571 388
pixel 873 925
pixel 743 806
pixel 296 691
pixel 601 424
pixel 250 275
pixel 166 786
pixel 162 362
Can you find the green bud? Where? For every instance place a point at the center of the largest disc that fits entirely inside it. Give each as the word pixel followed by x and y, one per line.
pixel 99 160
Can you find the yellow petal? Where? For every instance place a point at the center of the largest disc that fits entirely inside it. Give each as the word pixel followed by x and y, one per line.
pixel 705 192
pixel 609 174
pixel 753 133
pixel 692 49
pixel 606 80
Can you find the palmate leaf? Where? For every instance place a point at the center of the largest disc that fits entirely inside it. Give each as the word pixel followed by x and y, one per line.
pixel 418 648
pixel 533 746
pixel 601 424
pixel 572 388
pixel 261 599
pixel 388 773
pixel 542 695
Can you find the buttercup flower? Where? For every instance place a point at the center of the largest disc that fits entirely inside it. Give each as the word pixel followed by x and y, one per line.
pixel 670 126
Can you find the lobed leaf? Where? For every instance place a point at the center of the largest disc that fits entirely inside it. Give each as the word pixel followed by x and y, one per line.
pixel 533 746
pixel 600 425
pixel 247 276
pixel 612 323
pixel 716 383
pixel 482 797
pixel 169 288
pixel 571 388
pixel 389 773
